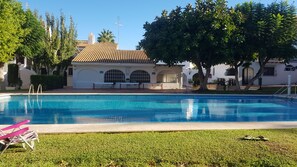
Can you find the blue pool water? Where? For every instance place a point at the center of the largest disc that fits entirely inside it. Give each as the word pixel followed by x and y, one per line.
pixel 86 109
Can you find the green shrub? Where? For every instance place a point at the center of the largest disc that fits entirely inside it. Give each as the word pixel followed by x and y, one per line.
pixel 13 74
pixel 48 82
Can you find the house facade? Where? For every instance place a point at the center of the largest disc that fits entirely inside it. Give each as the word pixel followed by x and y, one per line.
pixel 275 73
pixel 102 65
pixel 25 72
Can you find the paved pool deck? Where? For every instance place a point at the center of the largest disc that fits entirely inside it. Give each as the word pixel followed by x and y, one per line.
pixel 140 127
pixel 161 127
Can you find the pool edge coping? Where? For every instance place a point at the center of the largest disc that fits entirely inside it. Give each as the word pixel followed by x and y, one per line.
pixel 147 127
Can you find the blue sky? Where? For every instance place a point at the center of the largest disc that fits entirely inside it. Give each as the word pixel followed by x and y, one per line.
pixel 96 15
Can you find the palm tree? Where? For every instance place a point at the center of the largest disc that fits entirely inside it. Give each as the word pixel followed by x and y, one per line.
pixel 106 36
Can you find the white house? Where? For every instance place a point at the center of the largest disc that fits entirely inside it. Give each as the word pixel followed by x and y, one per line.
pixel 217 72
pixel 275 72
pixel 25 71
pixel 102 65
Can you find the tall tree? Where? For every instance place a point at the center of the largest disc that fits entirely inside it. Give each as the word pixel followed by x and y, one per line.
pixel 60 42
pixel 238 49
pixel 199 35
pixel 11 20
pixel 106 36
pixel 272 32
pixel 33 42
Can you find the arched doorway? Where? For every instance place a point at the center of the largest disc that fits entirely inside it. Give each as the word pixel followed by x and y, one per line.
pixel 167 77
pixel 114 76
pixel 247 74
pixel 140 76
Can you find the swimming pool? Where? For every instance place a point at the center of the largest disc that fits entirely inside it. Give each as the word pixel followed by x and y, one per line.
pixel 98 109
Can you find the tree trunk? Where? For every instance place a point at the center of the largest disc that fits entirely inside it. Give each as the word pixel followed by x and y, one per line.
pixel 202 78
pixel 1 75
pixel 203 84
pixel 1 71
pixel 36 68
pixel 237 84
pixel 258 75
pixel 50 70
pixel 236 78
pixel 58 70
pixel 250 83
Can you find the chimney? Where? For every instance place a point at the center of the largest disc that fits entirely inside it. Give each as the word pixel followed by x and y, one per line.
pixel 91 39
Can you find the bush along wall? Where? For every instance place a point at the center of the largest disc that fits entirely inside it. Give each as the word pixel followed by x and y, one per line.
pixel 13 75
pixel 48 82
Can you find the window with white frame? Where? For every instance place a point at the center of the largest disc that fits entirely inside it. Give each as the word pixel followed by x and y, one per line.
pixel 140 76
pixel 114 76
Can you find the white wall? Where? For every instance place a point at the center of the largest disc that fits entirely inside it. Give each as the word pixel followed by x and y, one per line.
pixel 217 71
pixel 25 76
pixel 84 75
pixel 280 75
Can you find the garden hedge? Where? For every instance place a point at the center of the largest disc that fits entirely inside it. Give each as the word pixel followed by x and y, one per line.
pixel 48 82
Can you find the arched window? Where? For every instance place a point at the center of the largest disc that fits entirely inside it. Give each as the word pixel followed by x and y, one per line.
pixel 140 76
pixel 114 76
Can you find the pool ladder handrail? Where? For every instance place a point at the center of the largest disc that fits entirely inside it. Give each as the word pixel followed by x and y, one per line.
pixel 39 89
pixel 31 89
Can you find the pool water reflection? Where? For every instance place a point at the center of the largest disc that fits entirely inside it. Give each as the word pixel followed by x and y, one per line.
pixel 90 109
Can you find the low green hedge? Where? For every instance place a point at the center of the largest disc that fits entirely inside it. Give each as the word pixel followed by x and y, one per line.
pixel 48 82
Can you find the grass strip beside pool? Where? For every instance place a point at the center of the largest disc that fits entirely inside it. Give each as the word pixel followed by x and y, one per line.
pixel 192 148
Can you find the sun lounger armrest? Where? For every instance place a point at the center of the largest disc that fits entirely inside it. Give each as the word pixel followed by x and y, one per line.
pixel 14 134
pixel 15 126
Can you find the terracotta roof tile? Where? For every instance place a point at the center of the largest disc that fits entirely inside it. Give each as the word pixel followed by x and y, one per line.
pixel 108 53
pixel 82 43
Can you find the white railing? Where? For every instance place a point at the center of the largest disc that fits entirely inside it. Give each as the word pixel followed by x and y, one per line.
pixel 284 89
pixel 281 90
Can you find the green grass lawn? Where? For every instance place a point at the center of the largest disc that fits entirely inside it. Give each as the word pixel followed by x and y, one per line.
pixel 189 148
